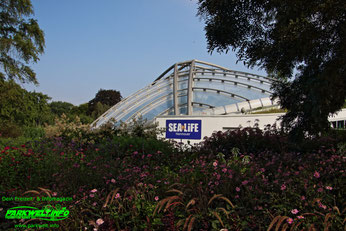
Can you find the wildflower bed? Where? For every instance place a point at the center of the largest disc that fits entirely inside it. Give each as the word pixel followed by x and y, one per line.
pixel 243 180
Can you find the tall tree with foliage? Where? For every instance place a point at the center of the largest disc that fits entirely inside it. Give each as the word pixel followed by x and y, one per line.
pixel 21 40
pixel 22 108
pixel 302 43
pixel 58 107
pixel 104 99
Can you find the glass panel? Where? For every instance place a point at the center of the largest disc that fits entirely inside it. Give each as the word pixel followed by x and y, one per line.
pixel 142 105
pixel 158 109
pixel 213 99
pixel 182 99
pixel 182 110
pixel 254 82
pixel 147 93
pixel 231 88
pixel 198 108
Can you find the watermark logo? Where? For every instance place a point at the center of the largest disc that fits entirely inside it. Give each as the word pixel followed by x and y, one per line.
pixel 48 213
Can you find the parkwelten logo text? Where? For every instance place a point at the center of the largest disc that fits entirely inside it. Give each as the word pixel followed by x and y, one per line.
pixel 48 213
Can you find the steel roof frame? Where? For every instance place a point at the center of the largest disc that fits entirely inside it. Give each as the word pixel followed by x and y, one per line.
pixel 191 71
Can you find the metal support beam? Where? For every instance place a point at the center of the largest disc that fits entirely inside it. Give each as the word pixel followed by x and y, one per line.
pixel 189 88
pixel 175 90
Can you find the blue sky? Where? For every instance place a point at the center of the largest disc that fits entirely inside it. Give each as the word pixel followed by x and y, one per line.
pixel 117 44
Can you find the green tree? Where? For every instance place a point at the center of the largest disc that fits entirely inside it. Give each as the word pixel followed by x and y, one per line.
pixel 104 99
pixel 21 40
pixel 23 108
pixel 99 109
pixel 301 43
pixel 81 109
pixel 59 107
pixel 82 112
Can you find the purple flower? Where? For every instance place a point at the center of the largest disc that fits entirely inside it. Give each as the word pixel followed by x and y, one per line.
pixel 237 189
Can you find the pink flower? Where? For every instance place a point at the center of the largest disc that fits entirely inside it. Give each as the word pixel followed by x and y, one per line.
pixel 303 198
pixel 94 190
pixel 94 204
pixel 99 221
pixel 117 196
pixel 135 153
pixel 329 188
pixel 156 198
pixel 113 181
pixel 300 217
pixel 283 187
pixel 289 220
pixel 215 164
pixel 317 174
pixel 224 170
pixel 237 189
pixel 245 182
pixel 54 194
pixel 294 211
pixel 322 205
pixel 91 195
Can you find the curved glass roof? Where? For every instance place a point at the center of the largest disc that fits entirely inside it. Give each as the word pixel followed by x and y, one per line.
pixel 193 88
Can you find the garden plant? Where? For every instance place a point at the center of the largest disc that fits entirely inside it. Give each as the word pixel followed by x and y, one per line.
pixel 246 179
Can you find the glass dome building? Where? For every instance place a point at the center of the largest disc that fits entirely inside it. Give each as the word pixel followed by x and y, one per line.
pixel 193 88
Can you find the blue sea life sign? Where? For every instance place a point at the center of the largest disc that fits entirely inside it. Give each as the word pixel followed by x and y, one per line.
pixel 184 129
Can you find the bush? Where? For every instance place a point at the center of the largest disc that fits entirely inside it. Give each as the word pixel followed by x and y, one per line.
pixel 10 130
pixel 255 140
pixel 34 133
pixel 129 182
pixel 66 127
